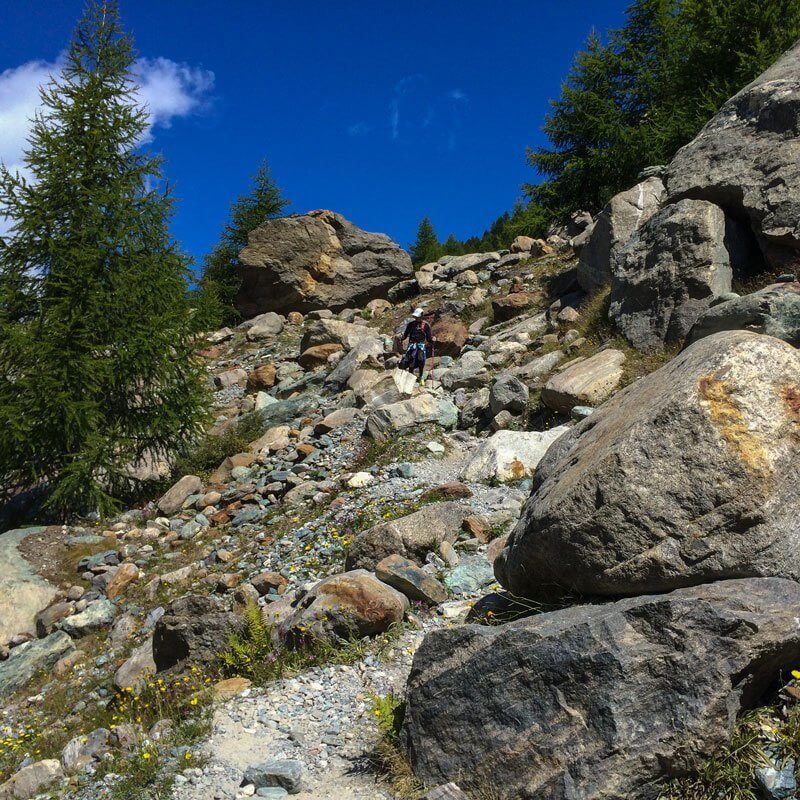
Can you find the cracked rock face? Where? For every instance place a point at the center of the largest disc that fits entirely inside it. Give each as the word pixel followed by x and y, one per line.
pixel 314 261
pixel 747 159
pixel 616 223
pixel 597 702
pixel 688 475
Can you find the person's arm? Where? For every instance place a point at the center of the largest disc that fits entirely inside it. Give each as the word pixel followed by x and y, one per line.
pixel 428 334
pixel 407 333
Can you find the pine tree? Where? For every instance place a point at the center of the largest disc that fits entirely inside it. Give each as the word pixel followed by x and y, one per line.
pixel 215 303
pixel 452 247
pixel 97 368
pixel 633 100
pixel 426 247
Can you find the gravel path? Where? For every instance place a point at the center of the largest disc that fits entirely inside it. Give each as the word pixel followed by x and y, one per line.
pixel 324 718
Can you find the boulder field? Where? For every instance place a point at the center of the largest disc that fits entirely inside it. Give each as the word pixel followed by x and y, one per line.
pixel 621 517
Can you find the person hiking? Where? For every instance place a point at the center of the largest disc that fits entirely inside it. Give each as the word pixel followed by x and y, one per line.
pixel 419 336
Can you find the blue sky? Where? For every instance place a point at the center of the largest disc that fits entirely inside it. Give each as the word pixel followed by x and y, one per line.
pixel 383 111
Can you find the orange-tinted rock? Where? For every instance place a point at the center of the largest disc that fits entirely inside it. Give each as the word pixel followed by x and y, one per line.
pixel 125 575
pixel 353 604
pixel 262 378
pixel 318 354
pixel 477 528
pixel 269 580
pixel 511 305
pixel 223 472
pixel 450 335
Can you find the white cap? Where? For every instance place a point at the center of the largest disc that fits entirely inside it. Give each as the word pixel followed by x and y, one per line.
pixel 418 312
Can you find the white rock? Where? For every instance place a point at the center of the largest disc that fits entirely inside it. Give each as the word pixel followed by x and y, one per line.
pixel 360 480
pixel 510 455
pixel 263 400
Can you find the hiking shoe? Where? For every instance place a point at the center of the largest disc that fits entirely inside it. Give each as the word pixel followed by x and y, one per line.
pixel 422 381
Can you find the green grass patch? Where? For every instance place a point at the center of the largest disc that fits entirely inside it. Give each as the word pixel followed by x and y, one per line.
pixel 388 756
pixel 213 449
pixel 256 654
pixel 730 773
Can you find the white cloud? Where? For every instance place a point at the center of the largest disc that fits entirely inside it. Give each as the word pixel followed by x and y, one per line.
pixel 169 90
pixel 19 98
pixel 359 129
pixel 457 94
pixel 401 88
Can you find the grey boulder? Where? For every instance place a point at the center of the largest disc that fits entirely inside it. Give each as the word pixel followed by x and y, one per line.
pixel 410 580
pixel 774 310
pixel 193 629
pixel 616 223
pixel 688 475
pixel 422 409
pixel 412 536
pixel 96 616
pixel 284 773
pixel 317 260
pixel 508 393
pixel 601 701
pixel 31 657
pixel 669 272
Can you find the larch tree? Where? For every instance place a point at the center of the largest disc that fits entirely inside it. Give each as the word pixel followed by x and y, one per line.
pixel 97 365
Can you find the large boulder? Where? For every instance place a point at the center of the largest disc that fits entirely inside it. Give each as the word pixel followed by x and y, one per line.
pixel 449 335
pixel 468 372
pixel 99 614
pixel 688 475
pixel 390 387
pixel 409 579
pixel 508 393
pixel 265 326
pixel 512 305
pixel 510 455
pixel 351 605
pixel 262 378
pixel 616 223
pixel 134 672
pixel 193 629
pixel 388 420
pixel 368 351
pixel 671 270
pixel 173 499
pixel 448 266
pixel 314 261
pixel 746 159
pixel 412 536
pixel 601 701
pixel 774 310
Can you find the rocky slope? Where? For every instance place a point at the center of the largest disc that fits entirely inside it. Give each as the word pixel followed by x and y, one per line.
pixel 562 568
